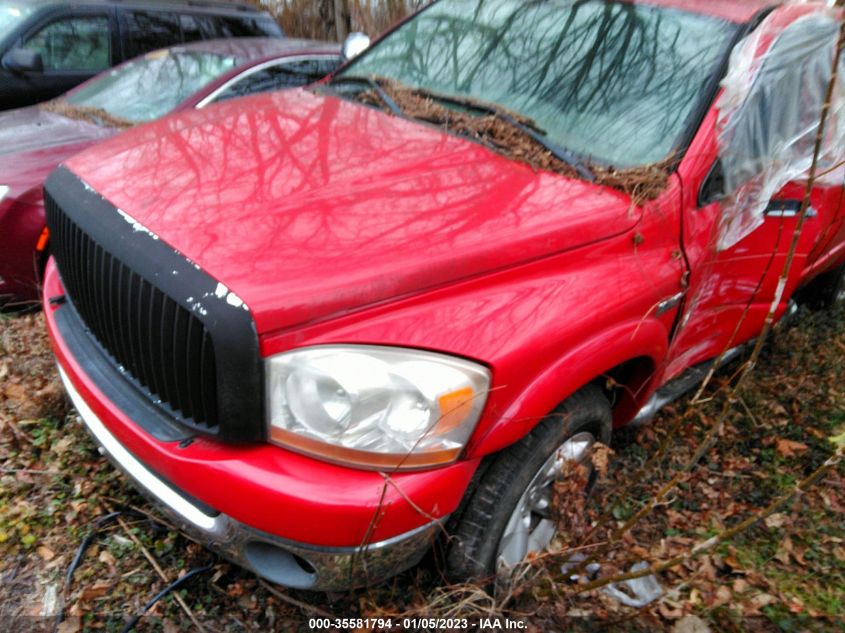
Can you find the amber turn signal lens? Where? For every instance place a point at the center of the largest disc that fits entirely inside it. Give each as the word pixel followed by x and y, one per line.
pixel 362 459
pixel 455 407
pixel 43 240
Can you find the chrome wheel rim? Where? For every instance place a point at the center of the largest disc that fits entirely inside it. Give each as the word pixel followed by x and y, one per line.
pixel 531 527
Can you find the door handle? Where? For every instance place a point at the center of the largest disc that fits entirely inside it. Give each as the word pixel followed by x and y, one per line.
pixel 667 304
pixel 788 209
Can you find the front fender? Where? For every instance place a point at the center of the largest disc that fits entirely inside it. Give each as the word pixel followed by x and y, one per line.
pixel 646 338
pixel 544 329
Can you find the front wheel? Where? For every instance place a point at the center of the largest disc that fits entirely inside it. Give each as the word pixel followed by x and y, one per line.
pixel 508 515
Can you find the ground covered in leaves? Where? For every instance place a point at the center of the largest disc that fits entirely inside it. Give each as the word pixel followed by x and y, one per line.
pixel 785 574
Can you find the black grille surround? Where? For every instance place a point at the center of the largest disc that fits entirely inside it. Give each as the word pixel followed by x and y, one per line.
pixel 139 301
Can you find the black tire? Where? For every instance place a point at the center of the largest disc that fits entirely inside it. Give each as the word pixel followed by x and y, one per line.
pixel 824 291
pixel 472 549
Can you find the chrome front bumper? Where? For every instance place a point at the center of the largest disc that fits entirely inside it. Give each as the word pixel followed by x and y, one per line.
pixel 278 560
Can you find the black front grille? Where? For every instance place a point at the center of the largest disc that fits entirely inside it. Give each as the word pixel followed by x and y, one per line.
pixel 162 346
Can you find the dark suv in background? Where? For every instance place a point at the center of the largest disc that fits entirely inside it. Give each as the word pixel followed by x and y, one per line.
pixel 47 46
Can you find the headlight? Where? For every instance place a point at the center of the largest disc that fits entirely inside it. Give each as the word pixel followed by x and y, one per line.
pixel 4 190
pixel 374 407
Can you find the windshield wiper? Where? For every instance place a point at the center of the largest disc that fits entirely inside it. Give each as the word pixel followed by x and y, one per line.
pixel 373 84
pixel 527 126
pixel 524 125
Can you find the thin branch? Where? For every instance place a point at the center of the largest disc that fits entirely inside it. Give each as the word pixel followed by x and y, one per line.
pixel 154 563
pixel 297 603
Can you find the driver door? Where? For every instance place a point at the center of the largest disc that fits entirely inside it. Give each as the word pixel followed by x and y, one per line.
pixel 736 246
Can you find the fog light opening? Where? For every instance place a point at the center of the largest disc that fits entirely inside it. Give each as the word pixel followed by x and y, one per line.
pixel 280 566
pixel 307 567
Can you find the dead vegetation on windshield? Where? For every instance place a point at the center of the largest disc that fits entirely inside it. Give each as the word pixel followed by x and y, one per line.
pixel 98 116
pixel 640 183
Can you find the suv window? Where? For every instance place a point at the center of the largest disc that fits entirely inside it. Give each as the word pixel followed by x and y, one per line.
pixel 144 31
pixel 229 26
pixel 76 43
pixel 279 76
pixel 191 31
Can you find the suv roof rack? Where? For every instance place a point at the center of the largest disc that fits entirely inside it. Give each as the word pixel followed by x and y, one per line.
pixel 240 6
pixel 233 5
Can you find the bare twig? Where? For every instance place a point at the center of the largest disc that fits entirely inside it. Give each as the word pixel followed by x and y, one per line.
pixel 154 564
pixel 29 471
pixel 296 603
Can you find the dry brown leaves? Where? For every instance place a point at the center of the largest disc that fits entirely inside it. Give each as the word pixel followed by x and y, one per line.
pixel 640 183
pixel 29 386
pixel 98 116
pixel 789 448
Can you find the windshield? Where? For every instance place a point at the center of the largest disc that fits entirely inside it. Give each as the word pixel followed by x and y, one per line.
pixel 151 86
pixel 612 81
pixel 11 14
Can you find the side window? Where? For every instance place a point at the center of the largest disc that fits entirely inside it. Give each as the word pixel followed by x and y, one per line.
pixel 209 27
pixel 268 27
pixel 191 31
pixel 280 76
pixel 246 27
pixel 144 31
pixel 74 44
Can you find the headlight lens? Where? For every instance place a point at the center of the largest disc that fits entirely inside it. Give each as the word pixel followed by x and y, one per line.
pixel 4 191
pixel 374 407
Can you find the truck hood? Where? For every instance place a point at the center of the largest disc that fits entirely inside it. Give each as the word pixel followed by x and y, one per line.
pixel 33 129
pixel 308 206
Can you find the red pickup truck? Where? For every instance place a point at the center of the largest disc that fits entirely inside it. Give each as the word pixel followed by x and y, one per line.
pixel 322 327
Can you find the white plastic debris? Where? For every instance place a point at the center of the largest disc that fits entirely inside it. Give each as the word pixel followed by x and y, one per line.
pixel 634 593
pixel 592 569
pixel 637 592
pixel 51 603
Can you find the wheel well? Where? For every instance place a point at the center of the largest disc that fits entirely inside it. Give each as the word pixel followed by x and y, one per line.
pixel 626 385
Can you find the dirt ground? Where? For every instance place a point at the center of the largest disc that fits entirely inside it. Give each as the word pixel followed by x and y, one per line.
pixel 785 574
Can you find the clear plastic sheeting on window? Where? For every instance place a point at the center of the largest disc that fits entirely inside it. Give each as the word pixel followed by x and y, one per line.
pixel 769 114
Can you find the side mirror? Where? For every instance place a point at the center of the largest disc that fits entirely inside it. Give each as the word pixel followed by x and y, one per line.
pixel 713 188
pixel 354 44
pixel 23 60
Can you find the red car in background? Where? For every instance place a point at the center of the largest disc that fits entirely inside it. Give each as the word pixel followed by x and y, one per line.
pixel 322 327
pixel 34 140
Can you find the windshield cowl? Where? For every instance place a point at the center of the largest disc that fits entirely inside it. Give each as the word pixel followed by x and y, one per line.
pixel 508 134
pixel 97 116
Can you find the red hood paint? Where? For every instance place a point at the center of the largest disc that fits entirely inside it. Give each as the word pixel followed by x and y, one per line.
pixel 308 206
